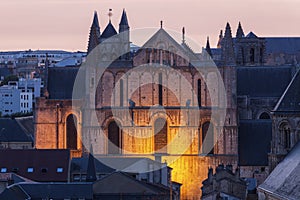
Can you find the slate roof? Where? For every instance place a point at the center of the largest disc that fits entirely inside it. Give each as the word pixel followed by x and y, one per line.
pixel 125 184
pixel 44 163
pixel 48 191
pixel 109 31
pixel 284 181
pixel 102 164
pixel 67 62
pixel 162 34
pixel 263 81
pixel 290 100
pixel 254 142
pixel 26 124
pixel 290 45
pixel 11 131
pixel 81 165
pixel 15 193
pixel 61 81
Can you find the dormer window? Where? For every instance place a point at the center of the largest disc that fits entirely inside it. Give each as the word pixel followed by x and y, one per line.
pixel 3 170
pixel 30 169
pixel 59 170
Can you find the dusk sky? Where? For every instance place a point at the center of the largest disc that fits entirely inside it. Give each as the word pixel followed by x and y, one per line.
pixel 65 24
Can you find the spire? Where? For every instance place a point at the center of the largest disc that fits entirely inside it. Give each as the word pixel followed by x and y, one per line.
pixel 228 56
pixel 124 20
pixel 161 24
pixel 207 48
pixel 220 39
pixel 183 35
pixel 95 20
pixel 240 32
pixel 91 170
pixel 228 31
pixel 94 33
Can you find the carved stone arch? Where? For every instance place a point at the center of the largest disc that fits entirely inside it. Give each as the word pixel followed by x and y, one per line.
pixel 160 114
pixel 112 127
pixel 107 120
pixel 160 122
pixel 285 134
pixel 264 114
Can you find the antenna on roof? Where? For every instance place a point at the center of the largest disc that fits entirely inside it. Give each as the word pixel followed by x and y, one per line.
pixel 161 24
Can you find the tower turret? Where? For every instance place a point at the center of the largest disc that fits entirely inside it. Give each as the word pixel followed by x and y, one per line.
pixel 94 37
pixel 240 32
pixel 228 55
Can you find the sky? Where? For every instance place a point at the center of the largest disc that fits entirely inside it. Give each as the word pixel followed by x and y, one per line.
pixel 65 24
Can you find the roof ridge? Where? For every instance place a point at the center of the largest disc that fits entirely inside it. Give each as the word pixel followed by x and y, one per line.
pixel 286 90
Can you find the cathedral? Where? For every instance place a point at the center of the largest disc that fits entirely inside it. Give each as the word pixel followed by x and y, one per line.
pixel 235 104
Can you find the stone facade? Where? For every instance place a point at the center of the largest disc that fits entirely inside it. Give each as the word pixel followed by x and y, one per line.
pixel 154 103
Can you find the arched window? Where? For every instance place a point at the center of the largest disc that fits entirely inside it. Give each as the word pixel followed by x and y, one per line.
pixel 72 132
pixel 199 92
pixel 252 51
pixel 287 137
pixel 160 135
pixel 207 138
pixel 285 132
pixel 264 115
pixel 114 138
pixel 160 90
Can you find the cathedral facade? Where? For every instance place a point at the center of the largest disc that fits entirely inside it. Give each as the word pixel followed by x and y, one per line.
pixel 163 102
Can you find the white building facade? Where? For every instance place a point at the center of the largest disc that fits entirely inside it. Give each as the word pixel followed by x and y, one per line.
pixel 19 97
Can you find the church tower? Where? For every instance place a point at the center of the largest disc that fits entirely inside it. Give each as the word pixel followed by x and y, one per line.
pixel 249 49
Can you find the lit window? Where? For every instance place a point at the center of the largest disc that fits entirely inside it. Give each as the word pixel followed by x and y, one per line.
pixel 59 170
pixel 30 170
pixel 3 170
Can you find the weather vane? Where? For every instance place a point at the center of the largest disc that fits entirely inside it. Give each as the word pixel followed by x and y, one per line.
pixel 110 14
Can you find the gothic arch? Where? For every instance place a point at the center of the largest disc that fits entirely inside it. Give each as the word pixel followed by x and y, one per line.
pixel 114 138
pixel 285 134
pixel 207 137
pixel 264 115
pixel 160 130
pixel 160 114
